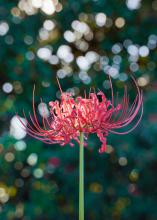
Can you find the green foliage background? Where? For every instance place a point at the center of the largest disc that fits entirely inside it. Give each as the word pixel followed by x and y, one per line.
pixel 113 190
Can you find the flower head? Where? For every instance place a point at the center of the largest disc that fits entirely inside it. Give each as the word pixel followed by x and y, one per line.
pixel 95 114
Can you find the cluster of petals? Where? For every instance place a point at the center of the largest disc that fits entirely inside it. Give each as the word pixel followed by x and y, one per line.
pixel 95 114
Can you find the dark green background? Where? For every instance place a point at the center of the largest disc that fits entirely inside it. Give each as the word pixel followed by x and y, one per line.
pixel 113 191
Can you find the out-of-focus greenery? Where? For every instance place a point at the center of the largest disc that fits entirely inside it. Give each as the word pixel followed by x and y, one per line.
pixel 79 42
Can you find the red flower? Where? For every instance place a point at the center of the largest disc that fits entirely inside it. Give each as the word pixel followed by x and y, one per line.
pixel 71 116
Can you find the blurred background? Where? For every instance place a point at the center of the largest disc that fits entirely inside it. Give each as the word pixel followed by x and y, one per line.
pixel 80 42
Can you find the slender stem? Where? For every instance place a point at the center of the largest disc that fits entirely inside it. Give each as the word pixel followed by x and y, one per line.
pixel 81 179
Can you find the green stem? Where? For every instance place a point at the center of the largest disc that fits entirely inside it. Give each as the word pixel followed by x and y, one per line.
pixel 81 179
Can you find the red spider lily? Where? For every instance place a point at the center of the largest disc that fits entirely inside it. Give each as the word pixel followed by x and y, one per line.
pixel 71 116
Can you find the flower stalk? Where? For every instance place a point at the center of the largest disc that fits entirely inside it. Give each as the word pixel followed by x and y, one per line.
pixel 81 179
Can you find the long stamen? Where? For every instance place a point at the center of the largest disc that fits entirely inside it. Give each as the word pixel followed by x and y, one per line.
pixel 59 85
